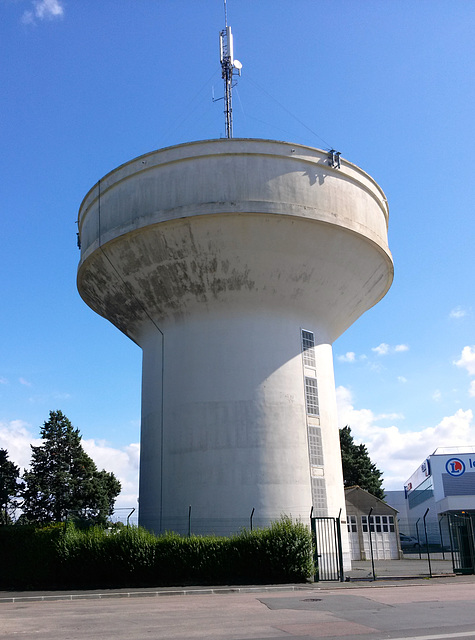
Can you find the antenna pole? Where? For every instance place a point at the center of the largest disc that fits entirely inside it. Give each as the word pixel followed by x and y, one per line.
pixel 228 67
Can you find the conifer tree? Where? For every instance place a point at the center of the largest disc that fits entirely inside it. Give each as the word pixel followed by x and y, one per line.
pixel 9 487
pixel 63 481
pixel 357 466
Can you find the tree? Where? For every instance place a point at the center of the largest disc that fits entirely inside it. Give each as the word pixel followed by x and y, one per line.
pixel 9 487
pixel 63 480
pixel 357 466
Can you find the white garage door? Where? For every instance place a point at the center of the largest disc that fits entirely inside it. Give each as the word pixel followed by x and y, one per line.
pixel 383 537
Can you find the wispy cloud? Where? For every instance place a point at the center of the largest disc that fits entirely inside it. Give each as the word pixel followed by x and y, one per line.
pixel 24 382
pixel 457 313
pixel 43 10
pixel 398 452
pixel 437 396
pixel 349 356
pixel 384 349
pixel 402 379
pixel 3 380
pixel 389 416
pixel 401 347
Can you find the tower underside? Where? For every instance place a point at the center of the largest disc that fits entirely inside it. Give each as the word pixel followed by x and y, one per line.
pixel 235 264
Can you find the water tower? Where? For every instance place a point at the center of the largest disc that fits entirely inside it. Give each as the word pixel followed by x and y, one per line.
pixel 235 264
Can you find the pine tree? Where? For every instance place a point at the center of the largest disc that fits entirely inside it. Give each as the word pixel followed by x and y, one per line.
pixel 63 481
pixel 357 466
pixel 9 487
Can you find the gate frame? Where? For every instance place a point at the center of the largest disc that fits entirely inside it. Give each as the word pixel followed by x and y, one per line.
pixel 335 551
pixel 455 521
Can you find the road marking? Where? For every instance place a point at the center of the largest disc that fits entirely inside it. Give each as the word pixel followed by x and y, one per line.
pixel 440 636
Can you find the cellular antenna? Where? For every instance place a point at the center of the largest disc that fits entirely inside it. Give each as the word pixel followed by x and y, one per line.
pixel 229 68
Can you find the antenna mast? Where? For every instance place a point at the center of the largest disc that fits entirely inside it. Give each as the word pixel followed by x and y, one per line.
pixel 229 66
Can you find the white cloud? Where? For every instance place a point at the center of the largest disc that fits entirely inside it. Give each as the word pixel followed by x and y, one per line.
pixel 123 462
pixel 402 379
pixel 3 380
pixel 348 357
pixel 437 396
pixel 24 382
pixel 398 453
pixel 389 416
pixel 457 313
pixel 16 437
pixel 43 10
pixel 467 360
pixel 471 389
pixel 382 350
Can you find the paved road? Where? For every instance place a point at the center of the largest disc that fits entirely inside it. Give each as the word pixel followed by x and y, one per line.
pixel 440 609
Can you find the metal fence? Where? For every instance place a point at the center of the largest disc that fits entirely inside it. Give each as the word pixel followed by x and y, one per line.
pixel 328 556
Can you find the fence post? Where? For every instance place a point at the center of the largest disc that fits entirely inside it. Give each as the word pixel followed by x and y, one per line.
pixel 371 542
pixel 252 513
pixel 418 538
pixel 427 542
pixel 128 517
pixel 313 526
pixel 189 521
pixel 441 537
pixel 340 550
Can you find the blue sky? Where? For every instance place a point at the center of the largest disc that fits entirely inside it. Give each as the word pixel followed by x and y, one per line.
pixel 88 85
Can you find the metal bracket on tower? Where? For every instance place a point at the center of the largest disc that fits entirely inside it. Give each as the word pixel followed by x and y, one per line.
pixel 334 159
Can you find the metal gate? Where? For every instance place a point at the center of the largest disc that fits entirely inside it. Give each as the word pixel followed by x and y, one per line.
pixel 328 555
pixel 462 542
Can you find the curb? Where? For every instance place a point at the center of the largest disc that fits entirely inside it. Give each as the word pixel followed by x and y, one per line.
pixel 350 583
pixel 153 593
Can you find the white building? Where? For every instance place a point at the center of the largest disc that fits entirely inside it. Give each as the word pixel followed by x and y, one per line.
pixel 443 485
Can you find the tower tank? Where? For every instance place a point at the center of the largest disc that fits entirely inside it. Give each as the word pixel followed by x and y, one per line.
pixel 235 264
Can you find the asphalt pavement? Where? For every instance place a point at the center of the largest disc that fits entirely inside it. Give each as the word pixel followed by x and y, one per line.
pixel 412 609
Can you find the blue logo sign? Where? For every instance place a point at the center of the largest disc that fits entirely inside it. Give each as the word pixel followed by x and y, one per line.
pixel 455 467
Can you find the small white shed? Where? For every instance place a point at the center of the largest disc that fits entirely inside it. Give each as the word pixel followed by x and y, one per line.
pixel 381 525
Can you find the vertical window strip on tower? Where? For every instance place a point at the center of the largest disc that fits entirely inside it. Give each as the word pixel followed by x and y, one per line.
pixel 311 396
pixel 315 445
pixel 319 496
pixel 308 348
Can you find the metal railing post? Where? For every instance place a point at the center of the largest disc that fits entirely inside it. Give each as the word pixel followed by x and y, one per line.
pixel 252 514
pixel 189 521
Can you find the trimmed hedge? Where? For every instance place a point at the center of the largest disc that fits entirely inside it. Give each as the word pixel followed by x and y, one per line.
pixel 62 556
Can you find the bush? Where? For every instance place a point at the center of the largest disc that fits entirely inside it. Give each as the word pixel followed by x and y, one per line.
pixel 29 557
pixel 63 556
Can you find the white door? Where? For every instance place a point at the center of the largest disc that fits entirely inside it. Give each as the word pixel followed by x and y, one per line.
pixel 352 524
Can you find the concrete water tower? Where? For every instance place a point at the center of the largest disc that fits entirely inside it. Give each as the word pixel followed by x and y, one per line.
pixel 235 264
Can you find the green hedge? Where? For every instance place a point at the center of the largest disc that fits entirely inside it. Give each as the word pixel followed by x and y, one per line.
pixel 62 556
